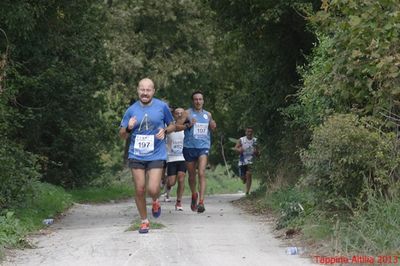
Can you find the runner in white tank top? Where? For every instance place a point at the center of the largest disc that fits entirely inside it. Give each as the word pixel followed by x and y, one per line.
pixel 176 166
pixel 247 148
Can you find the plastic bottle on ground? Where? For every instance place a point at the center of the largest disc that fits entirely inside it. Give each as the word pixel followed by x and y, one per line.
pixel 294 251
pixel 48 221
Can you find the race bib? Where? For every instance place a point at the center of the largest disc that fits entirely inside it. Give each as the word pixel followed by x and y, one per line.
pixel 144 144
pixel 200 130
pixel 249 151
pixel 177 147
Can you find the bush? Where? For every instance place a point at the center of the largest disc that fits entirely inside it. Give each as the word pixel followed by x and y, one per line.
pixel 346 158
pixel 18 169
pixel 11 232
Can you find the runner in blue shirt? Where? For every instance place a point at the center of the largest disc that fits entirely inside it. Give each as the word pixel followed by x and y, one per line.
pixel 144 122
pixel 196 147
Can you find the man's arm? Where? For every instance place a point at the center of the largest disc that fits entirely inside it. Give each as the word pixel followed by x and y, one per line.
pixel 184 122
pixel 170 128
pixel 212 123
pixel 180 122
pixel 164 131
pixel 124 132
pixel 180 127
pixel 255 151
pixel 238 146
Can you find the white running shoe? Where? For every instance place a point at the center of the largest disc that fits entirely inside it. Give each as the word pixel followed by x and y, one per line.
pixel 167 199
pixel 178 206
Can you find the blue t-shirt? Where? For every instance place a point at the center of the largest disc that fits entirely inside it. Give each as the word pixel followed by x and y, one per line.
pixel 198 136
pixel 149 119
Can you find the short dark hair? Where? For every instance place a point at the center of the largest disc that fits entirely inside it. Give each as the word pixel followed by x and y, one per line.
pixel 172 107
pixel 197 92
pixel 249 127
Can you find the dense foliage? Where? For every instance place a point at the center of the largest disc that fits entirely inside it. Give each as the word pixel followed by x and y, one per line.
pixel 168 41
pixel 354 70
pixel 56 65
pixel 262 45
pixel 347 158
pixel 318 80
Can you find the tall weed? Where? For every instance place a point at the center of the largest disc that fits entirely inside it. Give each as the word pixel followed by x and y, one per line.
pixel 373 230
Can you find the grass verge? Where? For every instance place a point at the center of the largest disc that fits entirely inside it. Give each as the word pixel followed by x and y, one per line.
pixel 16 223
pixel 219 182
pixel 370 230
pixel 136 224
pixel 102 194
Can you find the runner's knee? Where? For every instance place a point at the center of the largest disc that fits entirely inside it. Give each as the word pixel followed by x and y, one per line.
pixel 153 191
pixel 140 192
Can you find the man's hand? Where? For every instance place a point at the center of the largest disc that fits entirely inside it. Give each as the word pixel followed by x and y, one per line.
pixel 132 122
pixel 161 133
pixel 213 125
pixel 256 153
pixel 192 122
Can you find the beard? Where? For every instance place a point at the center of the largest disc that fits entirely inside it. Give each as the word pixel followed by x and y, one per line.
pixel 145 99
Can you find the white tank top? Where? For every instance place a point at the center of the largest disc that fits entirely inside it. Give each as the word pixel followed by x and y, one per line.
pixel 175 146
pixel 248 146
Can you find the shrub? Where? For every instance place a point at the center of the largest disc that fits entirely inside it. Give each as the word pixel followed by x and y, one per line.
pixel 345 158
pixel 18 169
pixel 11 232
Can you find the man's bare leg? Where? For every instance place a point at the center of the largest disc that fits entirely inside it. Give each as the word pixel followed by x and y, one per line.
pixel 140 191
pixel 202 163
pixel 248 181
pixel 154 182
pixel 181 185
pixel 191 167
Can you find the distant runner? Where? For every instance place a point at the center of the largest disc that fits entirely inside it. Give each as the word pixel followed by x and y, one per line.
pixel 176 166
pixel 247 148
pixel 145 121
pixel 196 147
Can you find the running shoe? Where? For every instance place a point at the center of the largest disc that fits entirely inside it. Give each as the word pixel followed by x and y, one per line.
pixel 166 196
pixel 167 199
pixel 193 204
pixel 200 207
pixel 144 227
pixel 156 209
pixel 178 206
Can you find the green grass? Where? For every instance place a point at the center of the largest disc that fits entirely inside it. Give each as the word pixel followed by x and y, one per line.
pixel 49 200
pixel 218 182
pixel 136 224
pixel 318 226
pixel 16 223
pixel 372 230
pixel 102 194
pixel 291 205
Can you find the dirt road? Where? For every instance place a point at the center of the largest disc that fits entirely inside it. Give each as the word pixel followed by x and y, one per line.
pixel 96 235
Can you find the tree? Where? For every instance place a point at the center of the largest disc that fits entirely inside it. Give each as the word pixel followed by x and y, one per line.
pixel 57 66
pixel 263 44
